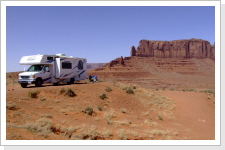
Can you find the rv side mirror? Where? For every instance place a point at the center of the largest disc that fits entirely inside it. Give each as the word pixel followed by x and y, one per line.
pixel 24 69
pixel 46 69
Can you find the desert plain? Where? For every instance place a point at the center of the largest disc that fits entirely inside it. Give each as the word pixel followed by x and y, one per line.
pixel 136 98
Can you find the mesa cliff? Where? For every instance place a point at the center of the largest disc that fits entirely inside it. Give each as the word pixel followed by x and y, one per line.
pixel 191 48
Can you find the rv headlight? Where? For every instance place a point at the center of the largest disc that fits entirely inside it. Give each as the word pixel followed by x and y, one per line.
pixel 33 76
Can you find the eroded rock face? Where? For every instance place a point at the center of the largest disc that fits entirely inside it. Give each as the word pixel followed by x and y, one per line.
pixel 192 48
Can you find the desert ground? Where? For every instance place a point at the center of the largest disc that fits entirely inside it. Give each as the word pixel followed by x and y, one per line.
pixel 142 99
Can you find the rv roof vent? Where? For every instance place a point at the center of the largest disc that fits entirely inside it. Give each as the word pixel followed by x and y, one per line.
pixel 61 54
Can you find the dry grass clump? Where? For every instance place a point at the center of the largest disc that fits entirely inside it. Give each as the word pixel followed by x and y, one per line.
pixel 189 90
pixel 160 118
pixel 18 114
pixel 62 91
pixel 68 92
pixel 211 92
pixel 42 98
pixel 33 94
pixel 121 122
pixel 108 89
pixel 47 116
pixel 12 106
pixel 157 103
pixel 65 131
pixel 109 115
pixel 102 96
pixel 42 125
pixel 151 124
pixel 122 134
pixel 87 132
pixel 129 90
pixel 83 132
pixel 11 79
pixel 127 134
pixel 99 108
pixel 160 132
pixel 88 110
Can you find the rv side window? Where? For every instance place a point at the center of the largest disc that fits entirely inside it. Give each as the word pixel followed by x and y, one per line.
pixel 50 58
pixel 66 65
pixel 80 64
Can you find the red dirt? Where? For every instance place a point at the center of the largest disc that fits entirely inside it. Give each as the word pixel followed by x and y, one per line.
pixel 159 109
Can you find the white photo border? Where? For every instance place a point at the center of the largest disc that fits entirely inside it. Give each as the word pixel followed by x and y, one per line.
pixel 4 4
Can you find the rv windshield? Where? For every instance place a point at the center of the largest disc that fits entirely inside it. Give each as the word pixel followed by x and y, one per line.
pixel 35 68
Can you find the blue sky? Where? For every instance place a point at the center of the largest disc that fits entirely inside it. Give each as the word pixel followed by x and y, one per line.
pixel 99 34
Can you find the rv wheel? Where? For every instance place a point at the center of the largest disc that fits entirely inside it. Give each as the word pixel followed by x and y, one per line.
pixel 24 85
pixel 55 84
pixel 38 82
pixel 71 81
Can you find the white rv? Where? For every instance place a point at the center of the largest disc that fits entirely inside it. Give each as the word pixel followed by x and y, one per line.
pixel 52 69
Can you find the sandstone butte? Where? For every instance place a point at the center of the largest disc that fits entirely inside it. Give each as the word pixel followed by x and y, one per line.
pixel 191 48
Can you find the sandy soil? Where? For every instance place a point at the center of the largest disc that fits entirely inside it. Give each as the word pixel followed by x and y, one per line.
pixel 165 105
pixel 146 114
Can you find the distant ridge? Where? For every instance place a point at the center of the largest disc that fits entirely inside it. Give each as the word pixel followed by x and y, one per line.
pixel 190 48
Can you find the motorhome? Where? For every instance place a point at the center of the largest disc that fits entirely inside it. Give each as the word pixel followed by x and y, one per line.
pixel 52 69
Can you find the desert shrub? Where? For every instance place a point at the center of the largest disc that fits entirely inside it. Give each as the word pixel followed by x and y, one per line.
pixel 129 90
pixel 63 90
pixel 33 94
pixel 134 87
pixel 68 92
pixel 102 96
pixel 123 110
pixel 88 110
pixel 160 118
pixel 99 108
pixel 189 90
pixel 209 92
pixel 108 89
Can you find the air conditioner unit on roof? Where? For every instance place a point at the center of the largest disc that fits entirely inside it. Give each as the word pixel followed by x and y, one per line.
pixel 60 54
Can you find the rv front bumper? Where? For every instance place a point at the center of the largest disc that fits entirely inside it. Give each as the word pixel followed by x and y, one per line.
pixel 28 81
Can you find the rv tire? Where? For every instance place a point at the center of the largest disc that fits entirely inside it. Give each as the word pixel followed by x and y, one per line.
pixel 24 85
pixel 38 82
pixel 71 81
pixel 55 84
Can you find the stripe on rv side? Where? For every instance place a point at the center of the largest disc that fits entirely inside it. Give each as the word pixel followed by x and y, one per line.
pixel 75 67
pixel 46 79
pixel 81 72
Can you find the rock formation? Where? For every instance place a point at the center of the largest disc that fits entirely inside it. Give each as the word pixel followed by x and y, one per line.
pixel 119 60
pixel 192 48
